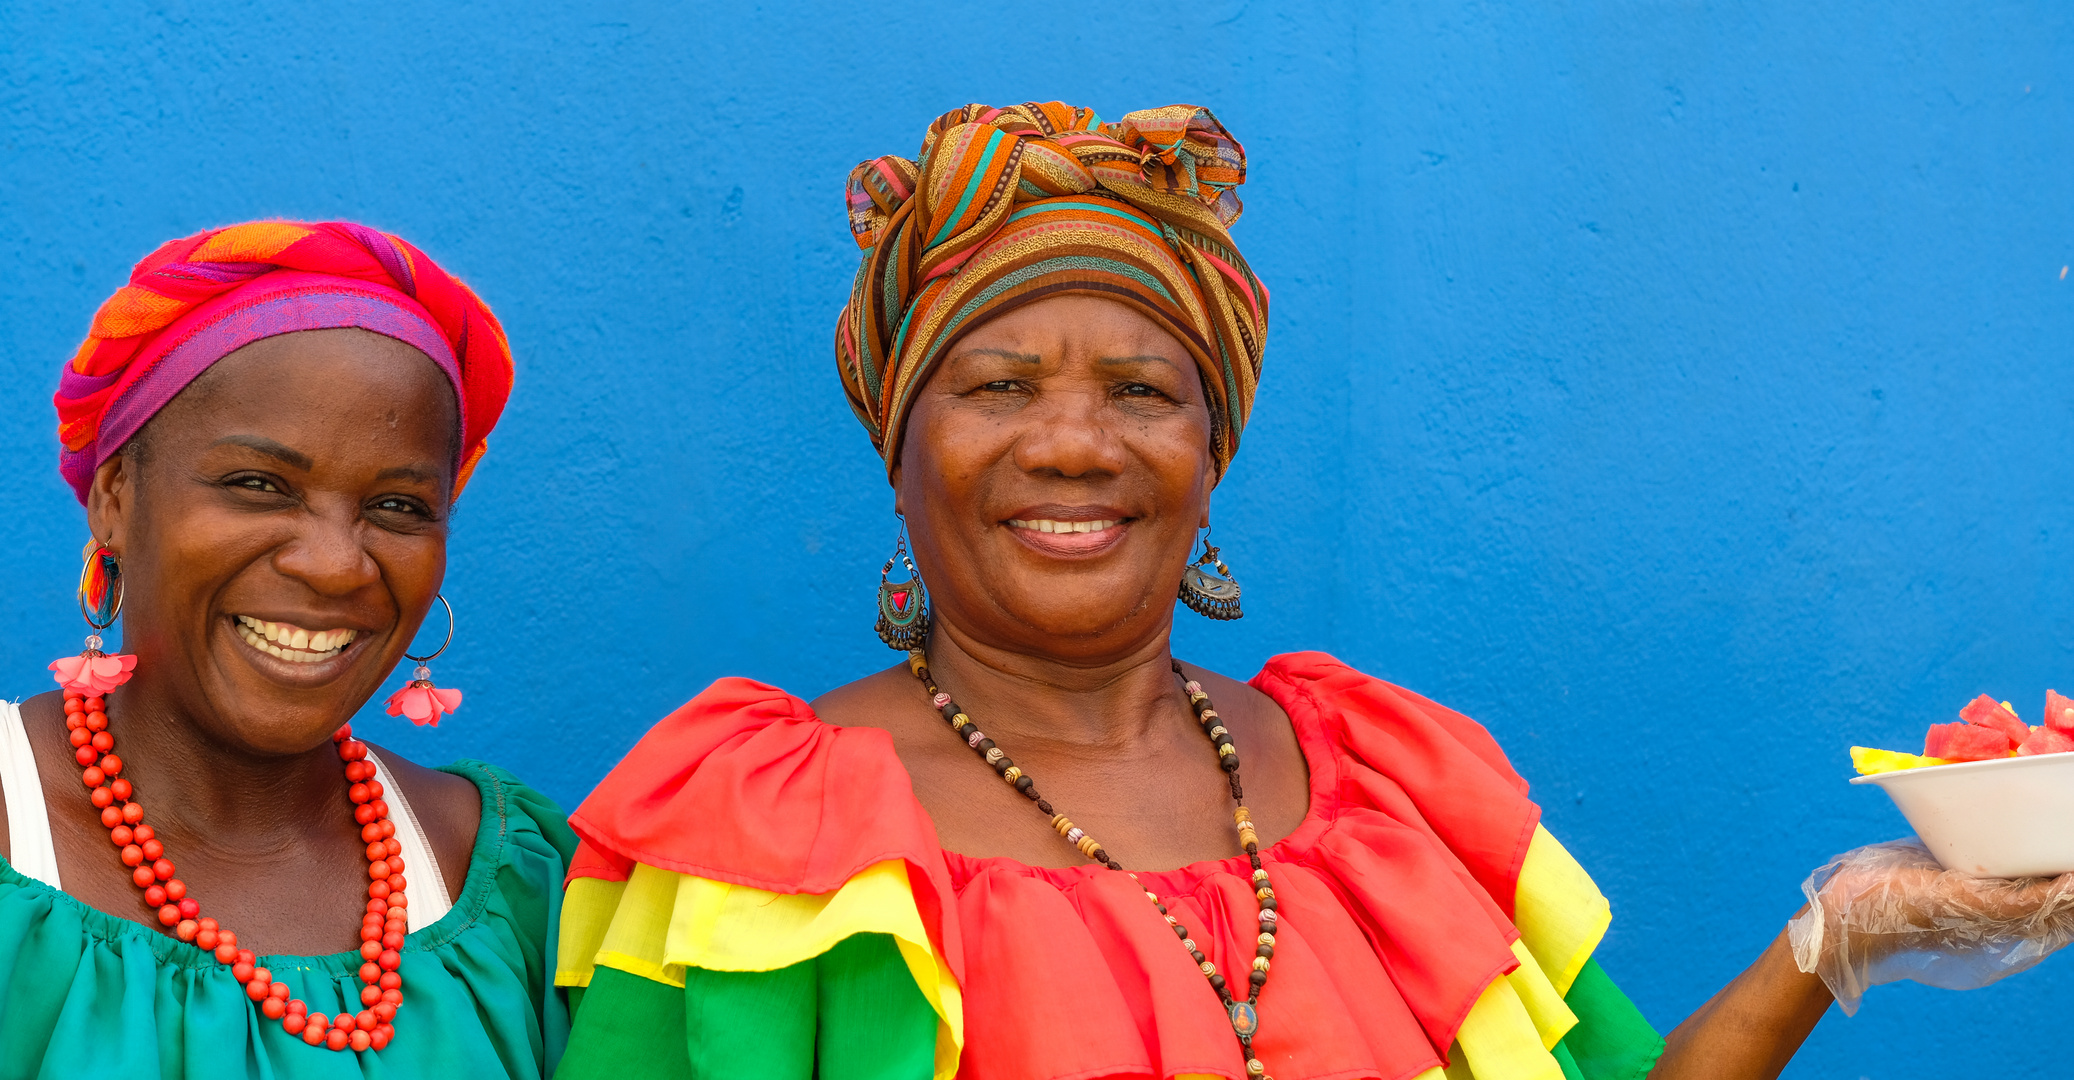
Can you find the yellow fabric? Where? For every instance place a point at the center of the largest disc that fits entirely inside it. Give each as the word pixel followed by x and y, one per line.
pixel 1542 1002
pixel 1502 1040
pixel 657 923
pixel 588 905
pixel 1561 915
pixel 1520 1017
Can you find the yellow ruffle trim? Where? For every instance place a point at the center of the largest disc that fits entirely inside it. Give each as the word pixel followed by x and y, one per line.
pixel 657 923
pixel 1510 1030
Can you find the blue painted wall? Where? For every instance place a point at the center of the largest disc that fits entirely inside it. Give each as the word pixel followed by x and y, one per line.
pixel 1682 389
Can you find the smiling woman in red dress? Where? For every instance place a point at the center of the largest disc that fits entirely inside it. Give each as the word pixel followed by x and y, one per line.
pixel 1041 846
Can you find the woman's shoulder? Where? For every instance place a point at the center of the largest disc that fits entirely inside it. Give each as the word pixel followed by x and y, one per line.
pixel 477 816
pixel 510 808
pixel 746 783
pixel 1377 720
pixel 1394 753
pixel 447 807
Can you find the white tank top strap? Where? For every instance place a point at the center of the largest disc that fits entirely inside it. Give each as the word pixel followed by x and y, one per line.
pixel 28 821
pixel 427 886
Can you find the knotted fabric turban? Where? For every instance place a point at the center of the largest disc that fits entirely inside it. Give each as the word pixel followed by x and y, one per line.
pixel 194 301
pixel 1008 206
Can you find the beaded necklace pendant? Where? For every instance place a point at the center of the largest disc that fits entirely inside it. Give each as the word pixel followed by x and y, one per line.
pixel 1243 1012
pixel 1245 1019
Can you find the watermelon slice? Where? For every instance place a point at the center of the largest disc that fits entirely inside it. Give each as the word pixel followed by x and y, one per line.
pixel 1967 742
pixel 2046 740
pixel 2059 713
pixel 1986 712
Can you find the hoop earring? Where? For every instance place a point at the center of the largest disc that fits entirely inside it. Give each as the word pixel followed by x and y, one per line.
pixel 1215 596
pixel 94 672
pixel 420 701
pixel 100 586
pixel 903 605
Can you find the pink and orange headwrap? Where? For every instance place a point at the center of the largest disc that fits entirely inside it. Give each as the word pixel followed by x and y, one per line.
pixel 1007 206
pixel 194 301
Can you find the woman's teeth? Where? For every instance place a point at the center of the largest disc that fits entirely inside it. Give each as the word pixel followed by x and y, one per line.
pixel 1049 526
pixel 293 643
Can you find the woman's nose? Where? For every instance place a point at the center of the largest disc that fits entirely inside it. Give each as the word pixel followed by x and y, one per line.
pixel 328 555
pixel 1070 433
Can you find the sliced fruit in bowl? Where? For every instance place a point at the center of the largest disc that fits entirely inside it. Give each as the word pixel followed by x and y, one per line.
pixel 1990 795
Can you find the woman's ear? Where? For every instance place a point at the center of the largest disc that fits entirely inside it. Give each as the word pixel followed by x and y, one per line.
pixel 110 502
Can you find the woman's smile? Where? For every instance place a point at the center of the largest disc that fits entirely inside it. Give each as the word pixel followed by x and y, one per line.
pixel 298 656
pixel 293 643
pixel 1069 532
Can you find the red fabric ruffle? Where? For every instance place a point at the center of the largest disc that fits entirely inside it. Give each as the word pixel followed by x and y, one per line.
pixel 1395 892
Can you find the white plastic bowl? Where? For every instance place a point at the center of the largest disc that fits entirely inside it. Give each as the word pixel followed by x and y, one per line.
pixel 2004 818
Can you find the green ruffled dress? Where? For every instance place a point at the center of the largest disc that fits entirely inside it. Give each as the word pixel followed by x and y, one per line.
pixel 83 993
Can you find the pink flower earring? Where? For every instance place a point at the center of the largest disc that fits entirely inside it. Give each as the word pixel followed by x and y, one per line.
pixel 94 672
pixel 419 700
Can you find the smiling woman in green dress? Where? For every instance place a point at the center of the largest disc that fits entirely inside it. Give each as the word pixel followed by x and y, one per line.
pixel 207 875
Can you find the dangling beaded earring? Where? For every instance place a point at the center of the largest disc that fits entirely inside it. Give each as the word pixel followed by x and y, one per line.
pixel 100 601
pixel 419 700
pixel 903 605
pixel 1216 596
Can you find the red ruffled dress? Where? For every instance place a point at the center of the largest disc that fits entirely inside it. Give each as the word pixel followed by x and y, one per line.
pixel 760 892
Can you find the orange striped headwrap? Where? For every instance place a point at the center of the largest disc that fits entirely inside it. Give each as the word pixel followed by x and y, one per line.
pixel 194 301
pixel 1007 206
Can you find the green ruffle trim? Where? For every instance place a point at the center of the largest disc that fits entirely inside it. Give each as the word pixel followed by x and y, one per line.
pixel 852 1013
pixel 1612 1040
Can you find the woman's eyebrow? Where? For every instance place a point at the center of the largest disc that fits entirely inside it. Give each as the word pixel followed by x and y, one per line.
pixel 427 474
pixel 1150 358
pixel 270 448
pixel 1005 354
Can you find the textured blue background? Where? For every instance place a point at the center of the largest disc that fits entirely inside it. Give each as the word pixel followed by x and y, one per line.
pixel 1682 389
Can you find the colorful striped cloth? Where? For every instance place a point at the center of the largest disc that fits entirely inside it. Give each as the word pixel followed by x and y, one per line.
pixel 194 301
pixel 1012 205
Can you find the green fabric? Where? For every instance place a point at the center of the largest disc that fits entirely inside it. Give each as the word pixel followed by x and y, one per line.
pixel 626 1025
pixel 83 993
pixel 1612 1041
pixel 852 1013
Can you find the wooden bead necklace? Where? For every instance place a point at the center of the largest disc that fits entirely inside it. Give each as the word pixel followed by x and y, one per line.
pixel 382 930
pixel 1244 1013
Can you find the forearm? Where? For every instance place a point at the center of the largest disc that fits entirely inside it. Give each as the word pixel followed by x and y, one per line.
pixel 1752 1027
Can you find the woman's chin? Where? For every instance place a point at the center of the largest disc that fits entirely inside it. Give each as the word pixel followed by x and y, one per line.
pixel 263 718
pixel 1091 618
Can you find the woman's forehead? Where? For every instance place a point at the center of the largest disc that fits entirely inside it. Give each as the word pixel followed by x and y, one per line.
pixel 319 380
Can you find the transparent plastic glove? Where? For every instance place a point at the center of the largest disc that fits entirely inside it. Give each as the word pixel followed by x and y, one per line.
pixel 1887 912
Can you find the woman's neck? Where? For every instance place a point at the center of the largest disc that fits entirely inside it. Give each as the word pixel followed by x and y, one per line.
pixel 1089 702
pixel 230 796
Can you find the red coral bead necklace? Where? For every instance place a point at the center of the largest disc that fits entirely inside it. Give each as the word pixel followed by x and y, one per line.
pixel 382 930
